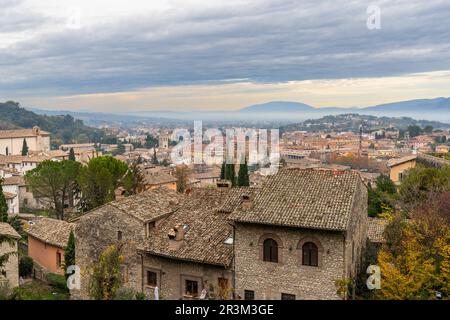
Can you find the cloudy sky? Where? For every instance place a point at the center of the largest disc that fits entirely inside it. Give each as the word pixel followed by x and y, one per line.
pixel 115 55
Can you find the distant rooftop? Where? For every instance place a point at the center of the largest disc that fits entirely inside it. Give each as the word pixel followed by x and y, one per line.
pixel 22 133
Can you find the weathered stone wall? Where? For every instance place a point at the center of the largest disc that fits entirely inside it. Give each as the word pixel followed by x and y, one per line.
pixel 11 267
pixel 171 275
pixel 95 232
pixel 269 280
pixel 356 236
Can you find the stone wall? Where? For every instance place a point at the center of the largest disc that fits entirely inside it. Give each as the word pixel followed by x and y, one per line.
pixel 11 267
pixel 97 231
pixel 269 280
pixel 171 276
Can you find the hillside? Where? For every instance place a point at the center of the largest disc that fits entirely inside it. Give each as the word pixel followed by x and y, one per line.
pixel 352 122
pixel 279 106
pixel 64 128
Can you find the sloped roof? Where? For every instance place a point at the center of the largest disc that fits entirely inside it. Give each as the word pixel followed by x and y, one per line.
pixel 375 230
pixel 21 133
pixel 14 180
pixel 51 231
pixel 306 198
pixel 7 230
pixel 150 204
pixel 207 230
pixel 157 178
pixel 397 161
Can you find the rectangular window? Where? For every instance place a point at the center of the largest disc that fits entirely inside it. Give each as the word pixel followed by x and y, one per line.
pixel 287 296
pixel 152 279
pixel 249 295
pixel 58 259
pixel 191 288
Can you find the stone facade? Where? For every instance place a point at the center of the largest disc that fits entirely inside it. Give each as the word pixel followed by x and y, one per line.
pixel 172 275
pixel 11 267
pixel 94 233
pixel 269 279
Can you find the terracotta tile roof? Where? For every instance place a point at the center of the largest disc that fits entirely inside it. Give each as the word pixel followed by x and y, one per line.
pixel 14 180
pixel 207 230
pixel 375 230
pixel 20 133
pixel 7 230
pixel 150 205
pixel 308 198
pixel 33 157
pixel 397 161
pixel 51 231
pixel 158 178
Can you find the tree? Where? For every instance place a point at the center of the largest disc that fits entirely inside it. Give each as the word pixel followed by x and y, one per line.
pixel 24 147
pixel 428 129
pixel 181 173
pixel 154 158
pixel 100 178
pixel 150 141
pixel 222 171
pixel 72 155
pixel 385 184
pixel 69 253
pixel 54 182
pixel 414 131
pixel 422 181
pixel 243 178
pixel 3 204
pixel 230 173
pixel 106 275
pixel 134 183
pixel 5 256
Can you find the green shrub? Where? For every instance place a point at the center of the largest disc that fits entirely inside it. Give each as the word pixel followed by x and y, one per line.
pixel 57 281
pixel 25 266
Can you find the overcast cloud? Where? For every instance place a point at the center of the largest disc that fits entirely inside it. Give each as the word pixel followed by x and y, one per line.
pixel 126 46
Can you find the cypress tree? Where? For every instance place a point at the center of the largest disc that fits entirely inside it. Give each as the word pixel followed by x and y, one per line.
pixel 69 253
pixel 72 154
pixel 243 179
pixel 154 158
pixel 24 147
pixel 230 173
pixel 3 205
pixel 222 171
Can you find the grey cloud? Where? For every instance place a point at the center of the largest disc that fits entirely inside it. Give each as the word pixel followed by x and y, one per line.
pixel 267 41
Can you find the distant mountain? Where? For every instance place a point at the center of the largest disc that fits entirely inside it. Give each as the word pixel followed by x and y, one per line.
pixel 279 106
pixel 420 105
pixel 64 128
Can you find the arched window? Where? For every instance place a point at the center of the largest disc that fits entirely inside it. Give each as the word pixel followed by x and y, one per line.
pixel 310 254
pixel 270 250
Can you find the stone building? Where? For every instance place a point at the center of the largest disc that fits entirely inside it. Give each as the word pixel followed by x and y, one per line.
pixel 190 253
pixel 123 222
pixel 10 273
pixel 290 238
pixel 11 141
pixel 302 231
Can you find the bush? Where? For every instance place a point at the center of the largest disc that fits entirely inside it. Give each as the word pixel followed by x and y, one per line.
pixel 57 281
pixel 25 266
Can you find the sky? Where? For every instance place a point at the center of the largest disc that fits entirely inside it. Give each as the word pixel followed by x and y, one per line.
pixel 111 55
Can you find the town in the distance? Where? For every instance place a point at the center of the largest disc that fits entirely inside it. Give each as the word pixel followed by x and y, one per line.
pixel 352 206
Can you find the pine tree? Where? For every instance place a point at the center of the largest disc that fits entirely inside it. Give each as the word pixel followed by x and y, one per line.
pixel 24 148
pixel 222 171
pixel 3 205
pixel 69 253
pixel 243 179
pixel 230 173
pixel 72 154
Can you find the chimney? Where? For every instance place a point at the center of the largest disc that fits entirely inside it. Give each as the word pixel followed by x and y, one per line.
pixel 119 193
pixel 247 202
pixel 177 233
pixel 223 184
